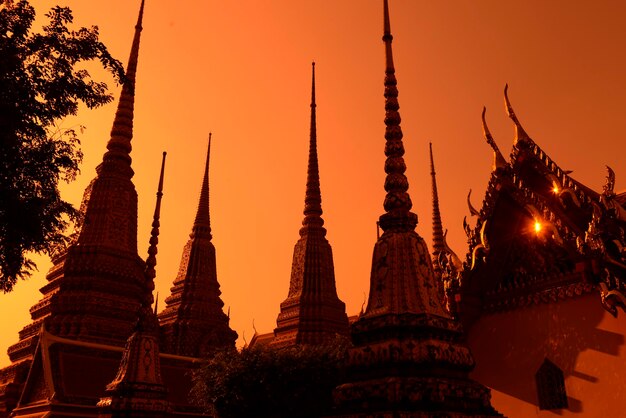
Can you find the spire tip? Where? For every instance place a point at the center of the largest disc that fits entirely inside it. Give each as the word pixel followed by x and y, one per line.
pixel 386 22
pixel 202 223
pixel 313 197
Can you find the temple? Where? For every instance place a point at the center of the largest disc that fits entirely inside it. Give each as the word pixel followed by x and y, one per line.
pixel 543 281
pixel 193 322
pixel 528 323
pixel 94 346
pixel 312 312
pixel 409 358
pixel 138 389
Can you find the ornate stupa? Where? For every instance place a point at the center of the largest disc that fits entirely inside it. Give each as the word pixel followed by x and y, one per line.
pixel 408 358
pixel 193 322
pixel 138 389
pixel 312 312
pixel 96 285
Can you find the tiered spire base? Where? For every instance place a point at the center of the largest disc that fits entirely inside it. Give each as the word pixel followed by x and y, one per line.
pixel 312 312
pixel 408 359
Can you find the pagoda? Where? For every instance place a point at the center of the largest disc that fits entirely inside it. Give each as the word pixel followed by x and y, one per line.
pixel 446 264
pixel 312 312
pixel 408 359
pixel 193 322
pixel 138 389
pixel 95 286
pixel 95 312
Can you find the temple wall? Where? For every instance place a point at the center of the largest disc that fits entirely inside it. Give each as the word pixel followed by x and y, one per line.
pixel 577 335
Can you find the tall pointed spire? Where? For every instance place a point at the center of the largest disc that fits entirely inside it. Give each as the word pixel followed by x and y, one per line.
pixel 498 159
pixel 406 342
pixel 437 225
pixel 403 288
pixel 138 388
pixel 397 202
pixel 312 312
pixel 150 271
pixel 313 196
pixel 193 322
pixel 119 145
pixel 98 283
pixel 438 245
pixel 202 223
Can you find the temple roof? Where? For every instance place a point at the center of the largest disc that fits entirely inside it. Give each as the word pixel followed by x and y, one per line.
pixel 57 383
pixel 535 230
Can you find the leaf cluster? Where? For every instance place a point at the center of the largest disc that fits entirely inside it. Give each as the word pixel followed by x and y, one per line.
pixel 42 81
pixel 264 382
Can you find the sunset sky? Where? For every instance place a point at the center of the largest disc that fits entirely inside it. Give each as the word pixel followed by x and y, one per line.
pixel 241 70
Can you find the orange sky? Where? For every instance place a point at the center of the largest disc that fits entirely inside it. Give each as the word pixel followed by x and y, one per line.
pixel 241 69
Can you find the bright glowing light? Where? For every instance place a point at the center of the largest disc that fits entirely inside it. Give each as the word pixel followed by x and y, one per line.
pixel 537 227
pixel 555 189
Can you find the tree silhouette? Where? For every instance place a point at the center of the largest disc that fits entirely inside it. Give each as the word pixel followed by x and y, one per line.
pixel 41 82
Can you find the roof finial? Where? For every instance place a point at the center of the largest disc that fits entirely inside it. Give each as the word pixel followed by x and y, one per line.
pixel 119 145
pixel 313 196
pixel 498 159
pixel 438 245
pixel 520 134
pixel 397 201
pixel 150 272
pixel 202 223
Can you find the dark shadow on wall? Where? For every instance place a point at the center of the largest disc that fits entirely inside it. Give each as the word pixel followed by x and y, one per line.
pixel 509 347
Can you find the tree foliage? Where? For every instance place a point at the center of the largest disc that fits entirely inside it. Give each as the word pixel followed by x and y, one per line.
pixel 42 80
pixel 265 382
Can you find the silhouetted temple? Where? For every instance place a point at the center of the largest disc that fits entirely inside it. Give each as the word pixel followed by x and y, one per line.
pixel 138 389
pixel 193 322
pixel 93 347
pixel 525 325
pixel 312 312
pixel 409 357
pixel 541 285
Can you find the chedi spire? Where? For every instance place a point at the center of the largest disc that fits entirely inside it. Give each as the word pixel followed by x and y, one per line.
pixel 408 285
pixel 101 275
pixel 408 355
pixel 397 201
pixel 119 145
pixel 312 312
pixel 202 223
pixel 97 285
pixel 193 322
pixel 138 388
pixel 438 245
pixel 313 196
